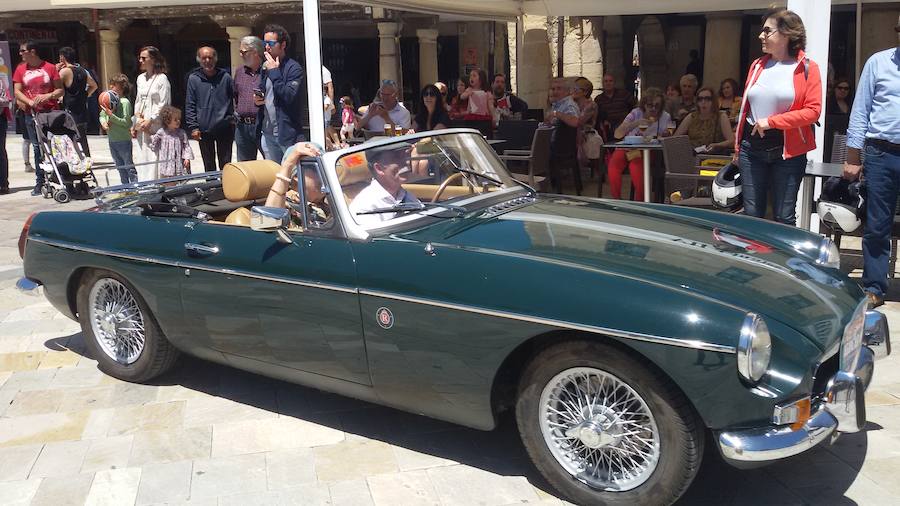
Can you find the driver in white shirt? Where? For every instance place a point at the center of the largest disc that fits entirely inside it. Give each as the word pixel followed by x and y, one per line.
pixel 390 168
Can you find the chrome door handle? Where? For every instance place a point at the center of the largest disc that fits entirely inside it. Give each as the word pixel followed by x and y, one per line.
pixel 201 249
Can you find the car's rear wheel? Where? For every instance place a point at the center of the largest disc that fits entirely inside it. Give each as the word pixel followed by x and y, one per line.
pixel 605 429
pixel 119 329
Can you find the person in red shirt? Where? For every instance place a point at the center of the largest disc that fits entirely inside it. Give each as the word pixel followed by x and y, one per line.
pixel 38 88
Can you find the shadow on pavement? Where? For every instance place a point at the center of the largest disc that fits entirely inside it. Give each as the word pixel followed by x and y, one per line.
pixel 820 476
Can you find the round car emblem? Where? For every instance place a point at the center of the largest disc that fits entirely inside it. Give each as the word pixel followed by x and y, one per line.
pixel 385 317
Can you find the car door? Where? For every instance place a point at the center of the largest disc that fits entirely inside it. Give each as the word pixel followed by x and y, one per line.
pixel 296 305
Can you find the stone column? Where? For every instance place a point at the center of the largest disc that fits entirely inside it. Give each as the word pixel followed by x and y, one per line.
pixel 536 63
pixel 111 63
pixel 721 56
pixel 428 62
pixel 235 34
pixel 388 66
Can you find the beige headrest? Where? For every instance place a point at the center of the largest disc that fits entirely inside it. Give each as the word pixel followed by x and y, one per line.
pixel 249 180
pixel 240 216
pixel 352 169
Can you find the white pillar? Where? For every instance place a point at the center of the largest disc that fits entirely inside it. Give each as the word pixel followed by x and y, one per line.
pixel 816 16
pixel 235 34
pixel 313 44
pixel 428 63
pixel 109 52
pixel 387 51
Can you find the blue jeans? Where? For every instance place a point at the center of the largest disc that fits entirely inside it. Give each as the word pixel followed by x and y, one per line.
pixel 759 170
pixel 245 138
pixel 31 131
pixel 273 150
pixel 882 172
pixel 122 155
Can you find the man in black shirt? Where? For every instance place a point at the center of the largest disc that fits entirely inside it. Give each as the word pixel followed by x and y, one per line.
pixel 78 85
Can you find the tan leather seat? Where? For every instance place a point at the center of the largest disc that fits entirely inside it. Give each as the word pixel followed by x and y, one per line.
pixel 243 181
pixel 353 174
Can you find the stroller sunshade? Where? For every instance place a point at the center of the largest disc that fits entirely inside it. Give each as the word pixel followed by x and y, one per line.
pixel 56 123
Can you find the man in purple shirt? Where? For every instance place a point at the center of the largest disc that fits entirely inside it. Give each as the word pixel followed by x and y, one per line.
pixel 246 83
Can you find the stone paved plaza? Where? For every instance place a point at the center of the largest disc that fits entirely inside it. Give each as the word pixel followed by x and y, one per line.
pixel 206 434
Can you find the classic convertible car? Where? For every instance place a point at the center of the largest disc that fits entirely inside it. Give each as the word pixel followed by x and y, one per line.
pixel 422 275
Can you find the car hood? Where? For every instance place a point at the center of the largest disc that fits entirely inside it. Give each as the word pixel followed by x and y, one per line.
pixel 739 265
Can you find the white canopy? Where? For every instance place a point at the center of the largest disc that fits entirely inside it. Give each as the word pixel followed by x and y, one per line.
pixel 488 9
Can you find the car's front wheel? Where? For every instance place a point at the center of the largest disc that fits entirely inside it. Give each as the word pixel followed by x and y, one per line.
pixel 605 429
pixel 119 329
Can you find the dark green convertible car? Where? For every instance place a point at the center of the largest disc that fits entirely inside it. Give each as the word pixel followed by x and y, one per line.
pixel 416 272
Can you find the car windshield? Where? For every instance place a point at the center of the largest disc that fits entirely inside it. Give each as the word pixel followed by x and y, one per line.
pixel 441 175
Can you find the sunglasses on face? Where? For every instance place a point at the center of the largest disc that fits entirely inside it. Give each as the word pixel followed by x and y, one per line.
pixel 270 43
pixel 767 32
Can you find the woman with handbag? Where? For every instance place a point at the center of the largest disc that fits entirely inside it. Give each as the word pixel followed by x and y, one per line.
pixel 587 139
pixel 153 92
pixel 649 119
pixel 783 99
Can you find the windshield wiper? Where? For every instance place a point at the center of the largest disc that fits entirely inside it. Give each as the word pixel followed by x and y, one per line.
pixel 492 179
pixel 407 207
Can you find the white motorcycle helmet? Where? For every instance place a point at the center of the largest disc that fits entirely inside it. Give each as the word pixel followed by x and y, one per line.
pixel 726 189
pixel 842 205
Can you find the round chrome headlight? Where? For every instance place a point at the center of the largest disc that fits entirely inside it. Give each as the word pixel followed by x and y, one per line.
pixel 829 254
pixel 754 349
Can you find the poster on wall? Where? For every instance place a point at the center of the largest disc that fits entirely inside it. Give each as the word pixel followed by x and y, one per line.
pixel 5 73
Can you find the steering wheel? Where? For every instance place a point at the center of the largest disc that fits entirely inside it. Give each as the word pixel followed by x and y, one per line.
pixel 446 183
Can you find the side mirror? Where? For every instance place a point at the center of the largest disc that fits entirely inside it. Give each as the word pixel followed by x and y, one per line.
pixel 269 219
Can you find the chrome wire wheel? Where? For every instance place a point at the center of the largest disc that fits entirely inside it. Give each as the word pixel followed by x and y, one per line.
pixel 116 320
pixel 599 429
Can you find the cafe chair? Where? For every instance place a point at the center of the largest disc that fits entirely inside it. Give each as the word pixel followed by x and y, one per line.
pixel 537 158
pixel 369 134
pixel 518 134
pixel 682 173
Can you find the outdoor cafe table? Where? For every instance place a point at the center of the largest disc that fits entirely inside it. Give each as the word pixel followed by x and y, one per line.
pixel 646 148
pixel 814 170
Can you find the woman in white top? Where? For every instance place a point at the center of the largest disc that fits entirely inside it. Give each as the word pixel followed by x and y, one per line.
pixel 783 99
pixel 153 92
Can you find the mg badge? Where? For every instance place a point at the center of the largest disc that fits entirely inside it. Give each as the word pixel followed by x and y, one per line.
pixel 385 317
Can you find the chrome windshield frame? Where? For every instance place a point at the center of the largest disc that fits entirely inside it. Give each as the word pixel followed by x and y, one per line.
pixel 340 205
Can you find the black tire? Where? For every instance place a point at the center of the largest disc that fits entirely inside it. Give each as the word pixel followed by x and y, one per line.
pixel 158 354
pixel 681 436
pixel 62 196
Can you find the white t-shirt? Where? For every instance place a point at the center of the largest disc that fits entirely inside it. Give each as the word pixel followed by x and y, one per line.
pixel 399 115
pixel 375 196
pixel 326 75
pixel 773 92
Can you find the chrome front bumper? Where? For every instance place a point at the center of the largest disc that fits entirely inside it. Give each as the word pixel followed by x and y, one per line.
pixel 843 408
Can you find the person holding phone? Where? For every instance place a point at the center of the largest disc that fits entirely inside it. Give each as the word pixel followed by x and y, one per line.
pixel 247 93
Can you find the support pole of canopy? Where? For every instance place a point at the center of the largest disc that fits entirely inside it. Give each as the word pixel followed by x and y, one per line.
pixel 859 62
pixel 313 68
pixel 816 16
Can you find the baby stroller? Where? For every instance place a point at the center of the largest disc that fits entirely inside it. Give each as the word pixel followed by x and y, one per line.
pixel 67 172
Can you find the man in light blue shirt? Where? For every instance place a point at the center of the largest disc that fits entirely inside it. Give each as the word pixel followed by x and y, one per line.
pixel 875 127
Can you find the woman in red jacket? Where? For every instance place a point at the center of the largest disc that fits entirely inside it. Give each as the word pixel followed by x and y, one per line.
pixel 783 99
